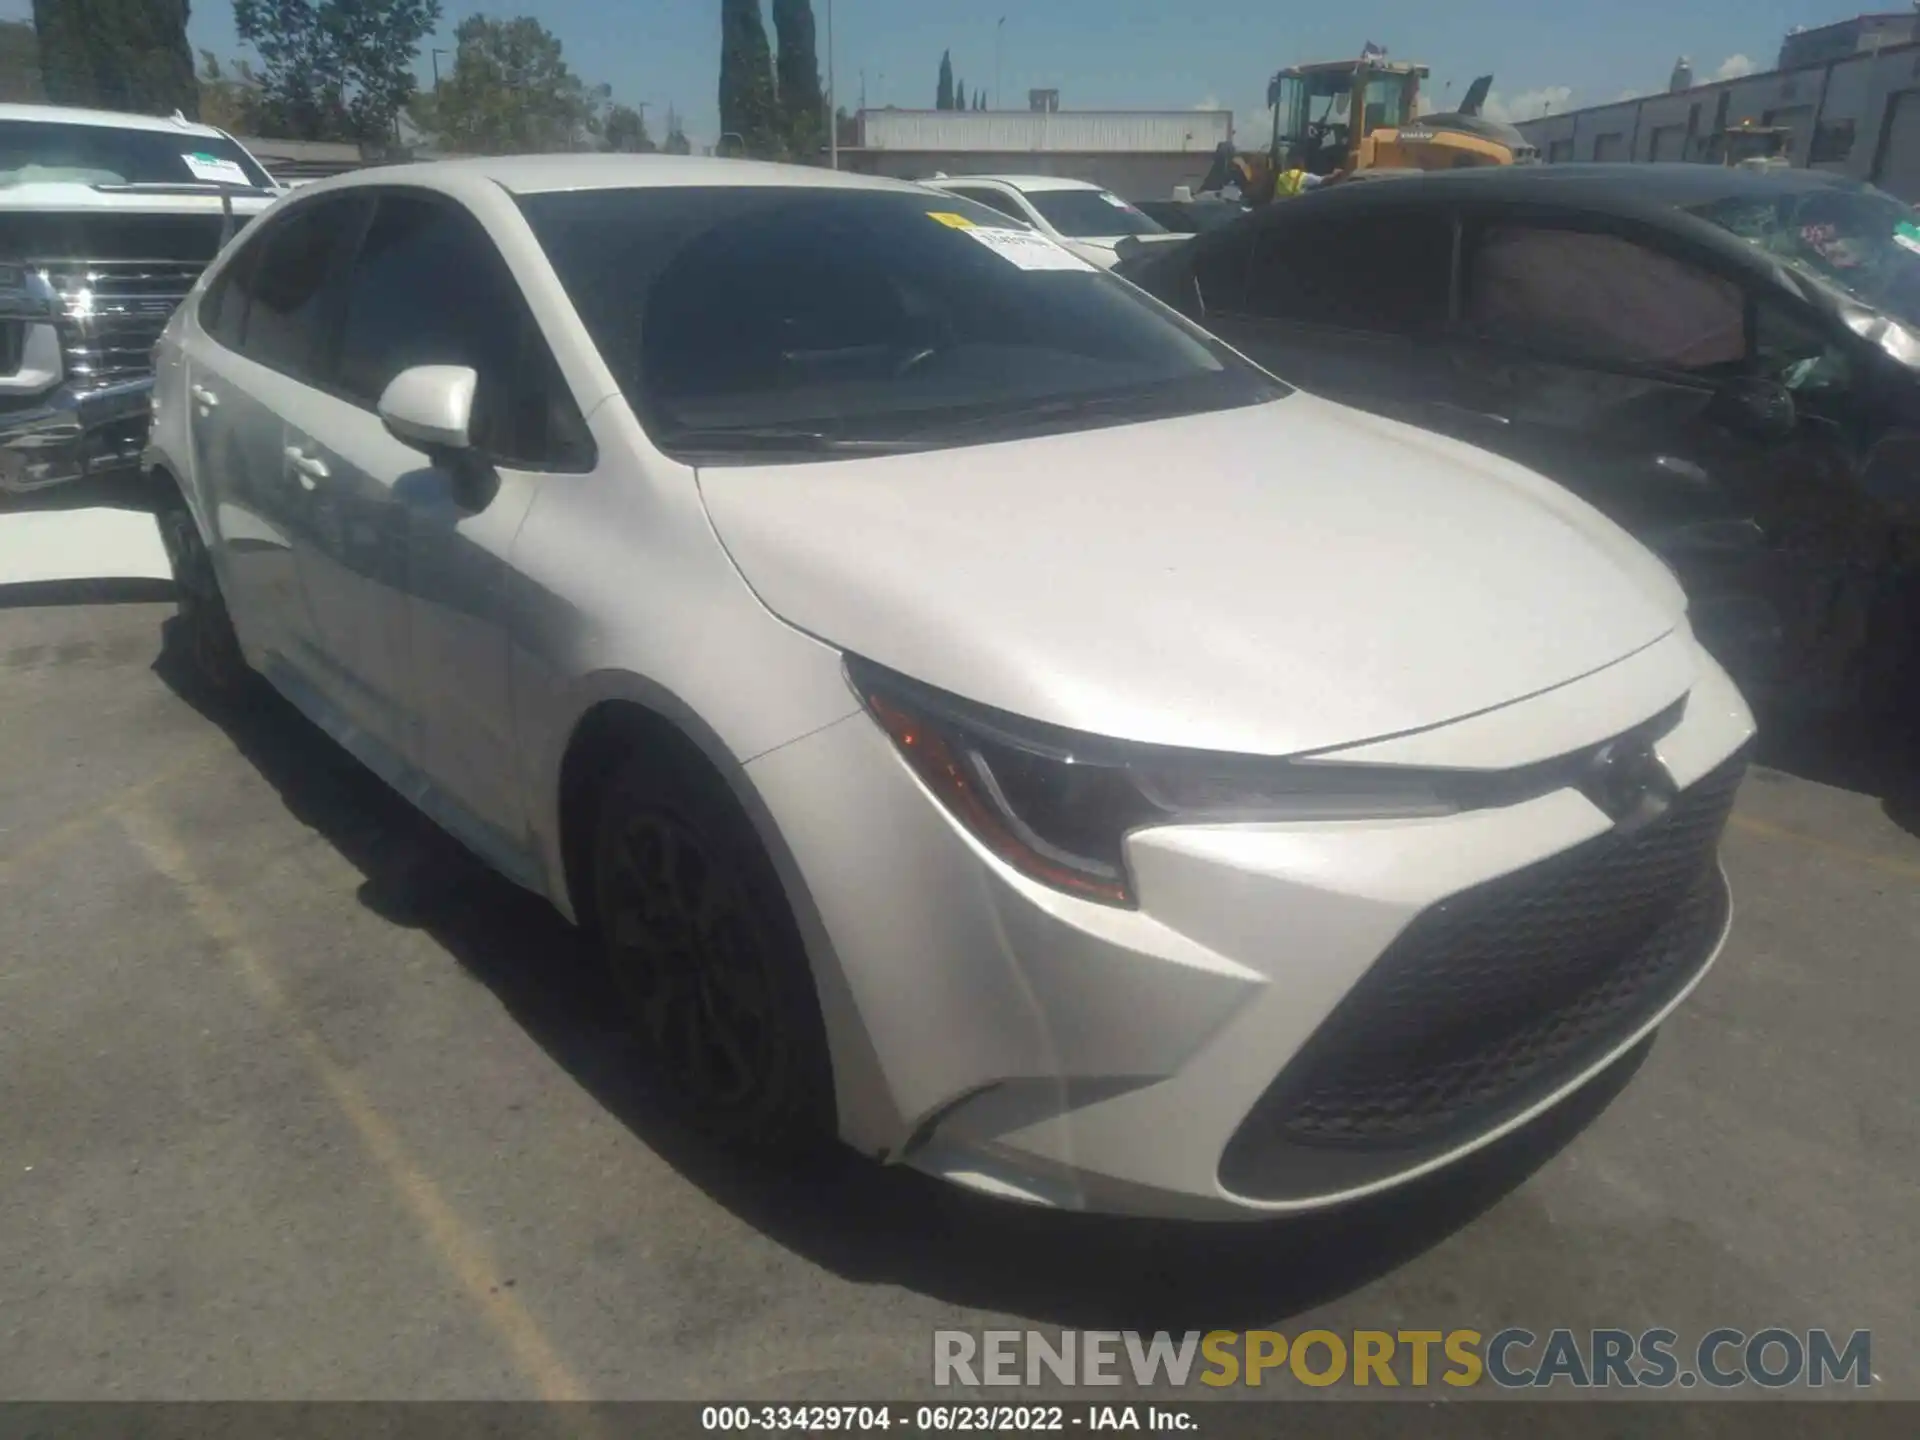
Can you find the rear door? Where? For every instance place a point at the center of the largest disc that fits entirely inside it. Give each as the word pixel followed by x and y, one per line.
pixel 1346 304
pixel 262 322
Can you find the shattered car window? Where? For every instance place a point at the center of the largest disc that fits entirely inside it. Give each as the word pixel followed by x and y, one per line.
pixel 1605 298
pixel 1864 241
pixel 36 152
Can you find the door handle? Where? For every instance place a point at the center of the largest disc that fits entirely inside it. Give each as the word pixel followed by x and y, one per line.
pixel 310 470
pixel 203 396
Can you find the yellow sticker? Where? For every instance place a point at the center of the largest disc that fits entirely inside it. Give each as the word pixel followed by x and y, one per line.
pixel 947 217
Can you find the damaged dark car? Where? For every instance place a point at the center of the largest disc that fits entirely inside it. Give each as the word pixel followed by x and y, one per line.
pixel 1725 361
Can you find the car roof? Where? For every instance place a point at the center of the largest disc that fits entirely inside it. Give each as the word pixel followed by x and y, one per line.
pixel 1022 182
pixel 105 119
pixel 545 174
pixel 1624 187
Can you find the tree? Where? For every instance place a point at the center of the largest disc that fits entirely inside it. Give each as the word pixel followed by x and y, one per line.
pixel 748 105
pixel 231 102
pixel 962 97
pixel 512 93
pixel 803 106
pixel 117 54
pixel 625 130
pixel 980 100
pixel 943 95
pixel 20 82
pixel 335 69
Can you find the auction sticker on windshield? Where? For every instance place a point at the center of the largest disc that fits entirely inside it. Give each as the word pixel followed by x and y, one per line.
pixel 213 168
pixel 1018 247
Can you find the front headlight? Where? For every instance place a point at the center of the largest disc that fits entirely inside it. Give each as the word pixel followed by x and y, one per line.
pixel 1058 806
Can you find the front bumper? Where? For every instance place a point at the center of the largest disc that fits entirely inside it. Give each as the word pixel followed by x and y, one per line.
pixel 64 435
pixel 1295 1016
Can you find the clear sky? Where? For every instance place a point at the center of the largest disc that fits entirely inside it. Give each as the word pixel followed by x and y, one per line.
pixel 1153 54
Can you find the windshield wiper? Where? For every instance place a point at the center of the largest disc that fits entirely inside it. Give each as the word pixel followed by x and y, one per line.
pixel 735 440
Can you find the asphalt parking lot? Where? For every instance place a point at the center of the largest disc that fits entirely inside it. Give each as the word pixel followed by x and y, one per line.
pixel 301 1103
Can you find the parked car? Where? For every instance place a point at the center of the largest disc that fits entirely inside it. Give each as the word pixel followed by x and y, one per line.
pixel 1190 216
pixel 1086 219
pixel 106 220
pixel 978 714
pixel 1724 361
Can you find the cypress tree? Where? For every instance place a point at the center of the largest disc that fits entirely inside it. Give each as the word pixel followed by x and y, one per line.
pixel 943 95
pixel 748 106
pixel 802 104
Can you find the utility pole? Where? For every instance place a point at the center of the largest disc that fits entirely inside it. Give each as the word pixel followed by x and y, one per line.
pixel 999 32
pixel 436 66
pixel 833 113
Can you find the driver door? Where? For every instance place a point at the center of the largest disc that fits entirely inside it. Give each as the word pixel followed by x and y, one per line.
pixel 1716 426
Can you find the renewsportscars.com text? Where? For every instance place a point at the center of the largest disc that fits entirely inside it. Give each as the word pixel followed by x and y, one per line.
pixel 1772 1358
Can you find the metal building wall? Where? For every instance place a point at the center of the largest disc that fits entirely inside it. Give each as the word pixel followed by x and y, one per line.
pixel 1020 131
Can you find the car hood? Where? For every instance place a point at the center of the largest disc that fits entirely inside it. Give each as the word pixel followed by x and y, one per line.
pixel 1277 579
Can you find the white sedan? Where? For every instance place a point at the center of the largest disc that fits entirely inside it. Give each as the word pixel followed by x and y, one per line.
pixel 978 715
pixel 1088 220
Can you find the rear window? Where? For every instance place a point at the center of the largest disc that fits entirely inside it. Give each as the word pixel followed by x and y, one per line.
pixel 1091 214
pixel 37 152
pixel 849 315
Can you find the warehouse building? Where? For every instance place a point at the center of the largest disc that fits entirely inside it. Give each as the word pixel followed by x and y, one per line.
pixel 1854 110
pixel 1137 154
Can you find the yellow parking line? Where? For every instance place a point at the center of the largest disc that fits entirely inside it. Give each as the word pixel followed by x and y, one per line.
pixel 72 828
pixel 464 1254
pixel 1892 864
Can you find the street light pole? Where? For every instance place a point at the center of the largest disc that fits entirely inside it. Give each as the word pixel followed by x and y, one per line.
pixel 436 66
pixel 833 114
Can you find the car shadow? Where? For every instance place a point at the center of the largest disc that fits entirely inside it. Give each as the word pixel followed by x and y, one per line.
pixel 862 1221
pixel 1848 753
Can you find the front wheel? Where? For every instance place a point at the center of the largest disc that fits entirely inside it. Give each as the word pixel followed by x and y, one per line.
pixel 700 942
pixel 202 633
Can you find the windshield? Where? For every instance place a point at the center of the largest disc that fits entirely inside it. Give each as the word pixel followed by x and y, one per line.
pixel 1090 214
pixel 36 152
pixel 808 317
pixel 1862 240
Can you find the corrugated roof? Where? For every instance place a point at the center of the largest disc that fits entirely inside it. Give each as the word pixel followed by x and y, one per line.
pixel 1077 131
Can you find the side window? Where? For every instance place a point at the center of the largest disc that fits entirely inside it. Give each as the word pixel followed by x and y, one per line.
pixel 1603 298
pixel 429 287
pixel 994 200
pixel 223 309
pixel 1386 273
pixel 287 286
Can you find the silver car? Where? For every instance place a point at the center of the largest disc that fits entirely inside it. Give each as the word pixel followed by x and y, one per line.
pixel 980 716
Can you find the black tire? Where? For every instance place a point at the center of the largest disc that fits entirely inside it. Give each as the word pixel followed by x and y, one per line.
pixel 698 937
pixel 202 634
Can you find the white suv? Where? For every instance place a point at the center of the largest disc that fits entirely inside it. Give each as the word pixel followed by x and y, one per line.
pixel 979 715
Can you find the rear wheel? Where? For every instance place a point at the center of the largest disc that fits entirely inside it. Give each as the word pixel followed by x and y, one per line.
pixel 700 941
pixel 203 634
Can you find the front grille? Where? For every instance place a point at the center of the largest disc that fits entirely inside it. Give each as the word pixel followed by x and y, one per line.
pixel 1496 996
pixel 110 312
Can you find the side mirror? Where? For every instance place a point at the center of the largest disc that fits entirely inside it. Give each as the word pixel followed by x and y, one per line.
pixel 430 407
pixel 1760 408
